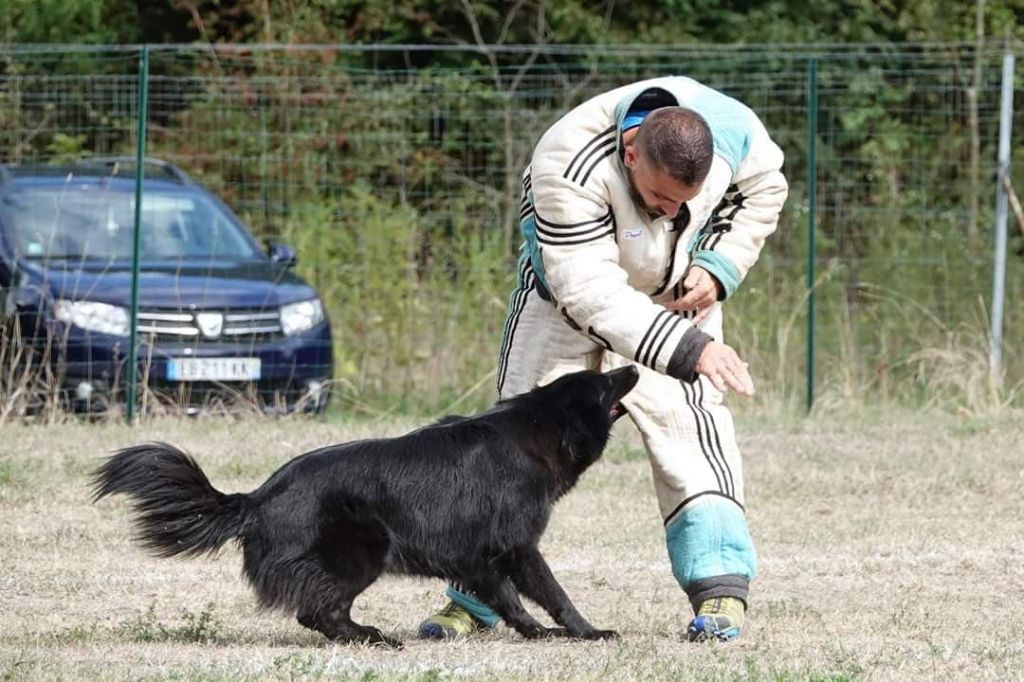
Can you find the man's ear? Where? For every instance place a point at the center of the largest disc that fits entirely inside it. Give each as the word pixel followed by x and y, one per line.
pixel 629 157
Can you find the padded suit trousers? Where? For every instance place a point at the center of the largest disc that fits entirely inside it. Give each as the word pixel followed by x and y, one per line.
pixel 686 429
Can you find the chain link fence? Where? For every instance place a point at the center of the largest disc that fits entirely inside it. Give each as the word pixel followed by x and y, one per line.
pixel 393 173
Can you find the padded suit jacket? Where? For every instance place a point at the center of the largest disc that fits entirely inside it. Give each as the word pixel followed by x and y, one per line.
pixel 604 261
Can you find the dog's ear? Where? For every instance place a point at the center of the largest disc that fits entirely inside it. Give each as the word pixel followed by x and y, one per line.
pixel 568 449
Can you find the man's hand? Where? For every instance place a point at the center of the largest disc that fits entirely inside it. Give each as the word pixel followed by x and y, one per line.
pixel 720 363
pixel 702 292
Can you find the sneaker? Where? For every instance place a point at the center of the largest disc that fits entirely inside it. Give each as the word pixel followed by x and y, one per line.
pixel 451 621
pixel 719 619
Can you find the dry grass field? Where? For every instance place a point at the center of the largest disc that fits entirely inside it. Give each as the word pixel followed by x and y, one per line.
pixel 891 547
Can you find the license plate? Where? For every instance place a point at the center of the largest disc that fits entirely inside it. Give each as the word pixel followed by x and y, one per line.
pixel 213 369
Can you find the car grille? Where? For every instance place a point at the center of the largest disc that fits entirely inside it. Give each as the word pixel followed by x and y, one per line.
pixel 238 325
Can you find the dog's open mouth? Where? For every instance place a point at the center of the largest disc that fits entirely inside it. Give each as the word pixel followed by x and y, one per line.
pixel 616 411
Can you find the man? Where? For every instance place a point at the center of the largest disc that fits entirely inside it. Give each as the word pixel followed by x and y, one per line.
pixel 643 209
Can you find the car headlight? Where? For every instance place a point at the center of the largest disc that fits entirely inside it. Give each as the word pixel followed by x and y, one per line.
pixel 93 316
pixel 301 316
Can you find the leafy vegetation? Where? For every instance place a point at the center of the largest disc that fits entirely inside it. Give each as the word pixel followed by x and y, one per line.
pixel 395 170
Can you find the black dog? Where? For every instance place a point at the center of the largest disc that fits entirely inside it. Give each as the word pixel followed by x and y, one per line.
pixel 466 500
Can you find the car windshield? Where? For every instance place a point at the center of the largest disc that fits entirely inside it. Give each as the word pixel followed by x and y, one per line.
pixel 96 224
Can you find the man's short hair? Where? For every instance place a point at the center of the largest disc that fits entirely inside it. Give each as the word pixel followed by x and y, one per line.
pixel 677 141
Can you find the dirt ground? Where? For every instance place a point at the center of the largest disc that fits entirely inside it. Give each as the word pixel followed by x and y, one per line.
pixel 891 547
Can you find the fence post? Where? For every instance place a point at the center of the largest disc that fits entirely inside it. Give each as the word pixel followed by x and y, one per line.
pixel 999 262
pixel 140 173
pixel 812 210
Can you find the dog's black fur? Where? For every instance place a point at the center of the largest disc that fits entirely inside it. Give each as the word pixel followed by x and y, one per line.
pixel 466 500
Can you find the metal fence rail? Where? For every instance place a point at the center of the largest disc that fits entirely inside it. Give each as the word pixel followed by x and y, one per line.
pixel 392 170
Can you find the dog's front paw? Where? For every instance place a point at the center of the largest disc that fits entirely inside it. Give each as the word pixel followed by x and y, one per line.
pixel 534 633
pixel 541 632
pixel 598 634
pixel 388 643
pixel 557 632
pixel 375 637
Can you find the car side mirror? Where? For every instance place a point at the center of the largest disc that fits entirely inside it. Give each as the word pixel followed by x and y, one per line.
pixel 282 254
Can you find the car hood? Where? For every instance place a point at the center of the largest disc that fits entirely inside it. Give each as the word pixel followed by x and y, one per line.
pixel 254 284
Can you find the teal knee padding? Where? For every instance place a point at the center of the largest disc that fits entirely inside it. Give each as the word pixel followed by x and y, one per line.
pixel 481 611
pixel 710 538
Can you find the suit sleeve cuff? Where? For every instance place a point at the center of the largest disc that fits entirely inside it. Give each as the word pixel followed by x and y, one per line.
pixel 721 268
pixel 683 363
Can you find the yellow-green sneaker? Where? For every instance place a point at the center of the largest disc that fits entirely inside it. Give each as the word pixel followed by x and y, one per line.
pixel 718 619
pixel 451 621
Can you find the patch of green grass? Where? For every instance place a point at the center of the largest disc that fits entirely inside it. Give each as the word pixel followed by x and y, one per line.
pixel 788 608
pixel 19 475
pixel 77 466
pixel 619 451
pixel 755 672
pixel 18 665
pixel 203 627
pixel 255 467
pixel 7 475
pixel 975 426
pixel 307 665
pixel 299 663
pixel 78 634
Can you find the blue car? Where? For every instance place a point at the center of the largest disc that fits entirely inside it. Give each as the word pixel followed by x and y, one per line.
pixel 220 320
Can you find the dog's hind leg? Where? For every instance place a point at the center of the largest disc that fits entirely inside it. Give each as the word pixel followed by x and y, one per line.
pixel 335 622
pixel 533 578
pixel 344 569
pixel 329 609
pixel 308 585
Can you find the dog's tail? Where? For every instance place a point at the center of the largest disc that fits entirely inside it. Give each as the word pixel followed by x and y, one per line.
pixel 177 510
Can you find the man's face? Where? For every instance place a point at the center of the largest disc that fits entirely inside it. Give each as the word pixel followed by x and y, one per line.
pixel 654 190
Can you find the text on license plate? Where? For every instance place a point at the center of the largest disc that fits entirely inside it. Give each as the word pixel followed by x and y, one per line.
pixel 213 369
